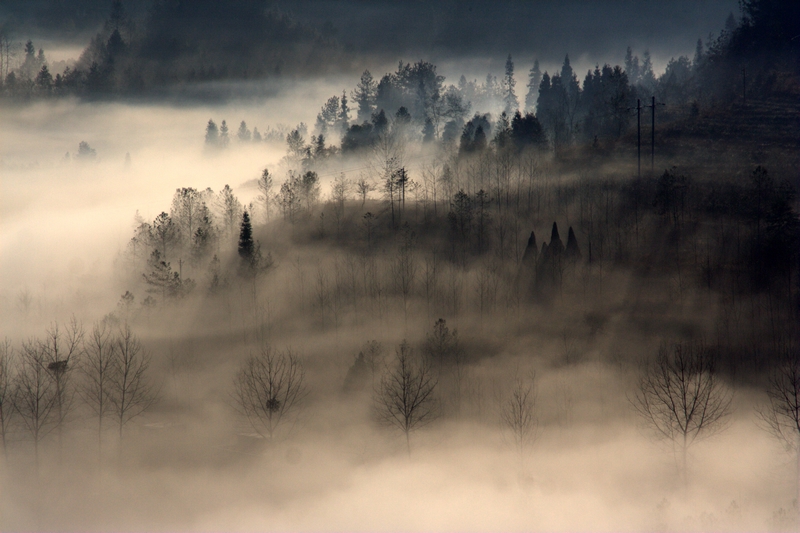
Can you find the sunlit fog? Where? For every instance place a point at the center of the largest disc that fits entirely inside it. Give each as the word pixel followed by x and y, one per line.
pixel 390 267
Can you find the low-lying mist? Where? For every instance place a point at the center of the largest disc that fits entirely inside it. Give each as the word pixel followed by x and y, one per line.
pixel 534 355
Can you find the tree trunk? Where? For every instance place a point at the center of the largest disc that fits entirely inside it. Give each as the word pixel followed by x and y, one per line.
pixel 685 466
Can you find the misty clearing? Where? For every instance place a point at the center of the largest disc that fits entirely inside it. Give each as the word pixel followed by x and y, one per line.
pixel 259 272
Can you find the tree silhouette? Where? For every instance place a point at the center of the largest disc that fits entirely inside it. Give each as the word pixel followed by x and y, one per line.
pixel 269 389
pixel 212 134
pixel 246 243
pixel 781 415
pixel 131 394
pixel 518 414
pixel 405 398
pixel 96 368
pixel 509 95
pixel 681 397
pixel 6 390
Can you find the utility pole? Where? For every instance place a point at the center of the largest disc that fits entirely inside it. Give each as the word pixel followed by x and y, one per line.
pixel 639 134
pixel 653 138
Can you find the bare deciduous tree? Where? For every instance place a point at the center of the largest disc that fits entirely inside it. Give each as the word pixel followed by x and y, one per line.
pixel 782 414
pixel 97 369
pixel 405 398
pixel 130 393
pixel 268 390
pixel 62 349
pixel 34 394
pixel 681 397
pixel 6 368
pixel 518 414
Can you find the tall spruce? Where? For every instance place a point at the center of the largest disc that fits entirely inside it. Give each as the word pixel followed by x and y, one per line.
pixel 509 95
pixel 246 244
pixel 534 79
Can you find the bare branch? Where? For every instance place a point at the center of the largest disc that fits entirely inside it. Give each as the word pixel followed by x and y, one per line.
pixel 268 389
pixel 130 394
pixel 405 398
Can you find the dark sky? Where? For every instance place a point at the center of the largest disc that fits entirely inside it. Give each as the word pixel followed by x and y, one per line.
pixel 589 30
pixel 456 27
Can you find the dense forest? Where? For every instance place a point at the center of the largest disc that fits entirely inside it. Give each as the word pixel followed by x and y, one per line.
pixel 525 295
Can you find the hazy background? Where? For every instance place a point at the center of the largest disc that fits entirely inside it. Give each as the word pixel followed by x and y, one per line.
pixel 188 463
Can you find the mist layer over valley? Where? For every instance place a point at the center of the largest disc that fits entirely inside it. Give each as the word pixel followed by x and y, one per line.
pixel 374 296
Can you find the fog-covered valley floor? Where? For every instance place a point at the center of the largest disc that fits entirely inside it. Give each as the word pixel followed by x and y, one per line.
pixel 192 462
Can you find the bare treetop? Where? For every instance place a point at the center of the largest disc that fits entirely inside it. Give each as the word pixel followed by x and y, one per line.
pixel 680 395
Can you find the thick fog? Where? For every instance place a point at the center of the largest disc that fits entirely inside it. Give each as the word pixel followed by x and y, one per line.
pixel 66 223
pixel 424 317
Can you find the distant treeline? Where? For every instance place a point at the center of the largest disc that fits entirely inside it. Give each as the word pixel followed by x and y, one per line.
pixel 177 42
pixel 452 241
pixel 183 42
pixel 744 61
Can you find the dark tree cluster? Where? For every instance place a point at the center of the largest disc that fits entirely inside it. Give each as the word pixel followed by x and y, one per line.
pixel 178 42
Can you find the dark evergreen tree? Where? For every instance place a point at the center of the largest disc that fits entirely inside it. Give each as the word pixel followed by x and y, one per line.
pixel 527 131
pixel 358 137
pixel 343 120
pixel 223 135
pixel 531 251
pixel 534 79
pixel 510 101
pixel 556 247
pixel 573 251
pixel 244 134
pixel 364 96
pixel 44 81
pixel 246 243
pixel 85 151
pixel 379 123
pixel 212 134
pixel 632 66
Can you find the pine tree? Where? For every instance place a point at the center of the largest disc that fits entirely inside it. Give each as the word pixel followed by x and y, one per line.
pixel 223 135
pixel 161 279
pixel 344 114
pixel 364 96
pixel 556 247
pixel 265 184
pixel 44 81
pixel 573 251
pixel 212 134
pixel 698 55
pixel 246 244
pixel 509 96
pixel 632 66
pixel 29 67
pixel 243 134
pixel 534 79
pixel 646 76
